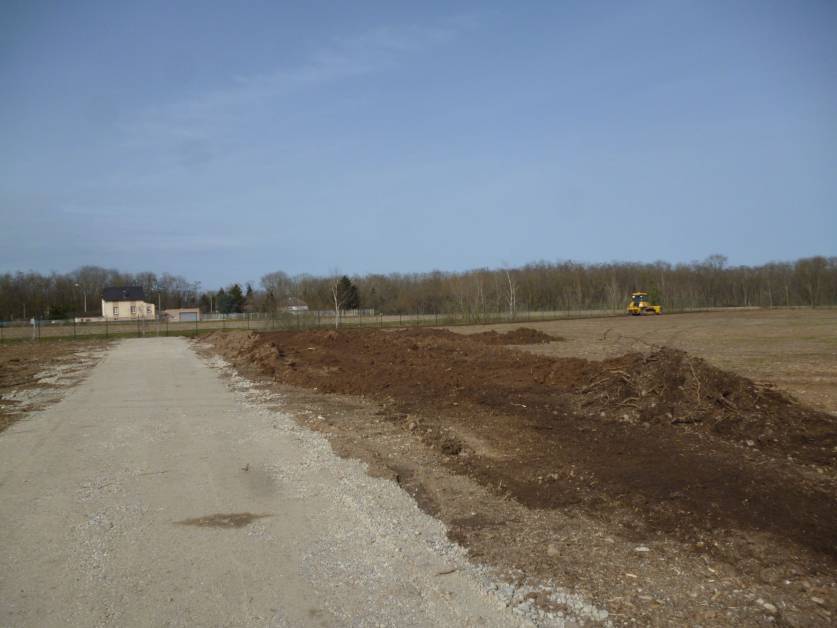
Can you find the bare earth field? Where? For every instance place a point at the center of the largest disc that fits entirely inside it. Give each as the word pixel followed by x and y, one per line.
pixel 33 374
pixel 655 465
pixel 794 349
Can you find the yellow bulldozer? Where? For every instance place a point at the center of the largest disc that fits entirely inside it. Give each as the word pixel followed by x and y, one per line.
pixel 640 304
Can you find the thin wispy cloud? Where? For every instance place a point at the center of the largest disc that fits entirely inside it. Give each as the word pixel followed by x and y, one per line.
pixel 228 141
pixel 209 112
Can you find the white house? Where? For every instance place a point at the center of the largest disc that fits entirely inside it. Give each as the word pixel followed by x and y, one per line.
pixel 126 303
pixel 296 305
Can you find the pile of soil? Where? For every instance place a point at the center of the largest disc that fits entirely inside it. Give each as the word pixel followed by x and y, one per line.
pixel 663 443
pixel 519 336
pixel 671 387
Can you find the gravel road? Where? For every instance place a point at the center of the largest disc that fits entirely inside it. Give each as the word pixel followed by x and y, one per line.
pixel 158 493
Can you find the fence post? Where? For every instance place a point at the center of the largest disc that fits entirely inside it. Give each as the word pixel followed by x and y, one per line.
pixel 196 326
pixel 38 325
pixel 248 320
pixel 74 327
pixel 106 328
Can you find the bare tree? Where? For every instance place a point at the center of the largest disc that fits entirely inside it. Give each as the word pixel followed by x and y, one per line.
pixel 810 273
pixel 343 294
pixel 280 287
pixel 511 293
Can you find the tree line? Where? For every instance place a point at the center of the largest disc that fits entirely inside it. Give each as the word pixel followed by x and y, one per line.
pixel 554 286
pixel 25 295
pixel 539 286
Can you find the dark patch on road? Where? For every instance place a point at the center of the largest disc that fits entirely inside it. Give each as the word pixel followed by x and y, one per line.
pixel 223 520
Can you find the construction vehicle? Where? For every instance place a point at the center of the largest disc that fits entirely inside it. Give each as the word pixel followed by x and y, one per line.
pixel 640 303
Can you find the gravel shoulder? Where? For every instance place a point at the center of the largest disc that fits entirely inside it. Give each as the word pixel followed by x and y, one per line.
pixel 158 492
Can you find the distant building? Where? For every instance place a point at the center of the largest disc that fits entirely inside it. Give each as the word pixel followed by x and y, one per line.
pixel 182 314
pixel 126 303
pixel 295 305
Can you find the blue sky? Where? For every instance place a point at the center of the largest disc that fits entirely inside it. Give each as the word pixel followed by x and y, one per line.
pixel 225 140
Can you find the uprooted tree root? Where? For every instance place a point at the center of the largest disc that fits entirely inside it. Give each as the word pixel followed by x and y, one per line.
pixel 669 386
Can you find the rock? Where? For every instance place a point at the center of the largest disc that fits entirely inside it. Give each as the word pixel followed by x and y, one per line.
pixel 642 548
pixel 506 591
pixel 552 550
pixel 412 426
pixel 451 447
pixel 818 600
pixel 525 607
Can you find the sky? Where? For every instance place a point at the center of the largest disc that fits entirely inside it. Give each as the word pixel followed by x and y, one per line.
pixel 225 140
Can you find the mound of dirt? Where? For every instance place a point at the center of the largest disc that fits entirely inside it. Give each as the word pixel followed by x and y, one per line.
pixel 662 443
pixel 519 336
pixel 670 387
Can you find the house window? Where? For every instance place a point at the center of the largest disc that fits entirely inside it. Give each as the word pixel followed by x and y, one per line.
pixel 115 312
pixel 148 309
pixel 133 309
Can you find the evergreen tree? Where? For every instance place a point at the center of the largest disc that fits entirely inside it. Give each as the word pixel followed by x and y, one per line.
pixel 236 298
pixel 349 296
pixel 222 302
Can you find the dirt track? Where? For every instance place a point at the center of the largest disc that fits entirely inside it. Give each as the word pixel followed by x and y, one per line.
pixel 152 494
pixel 659 449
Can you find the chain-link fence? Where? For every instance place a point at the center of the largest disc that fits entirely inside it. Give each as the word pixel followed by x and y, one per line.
pixel 44 329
